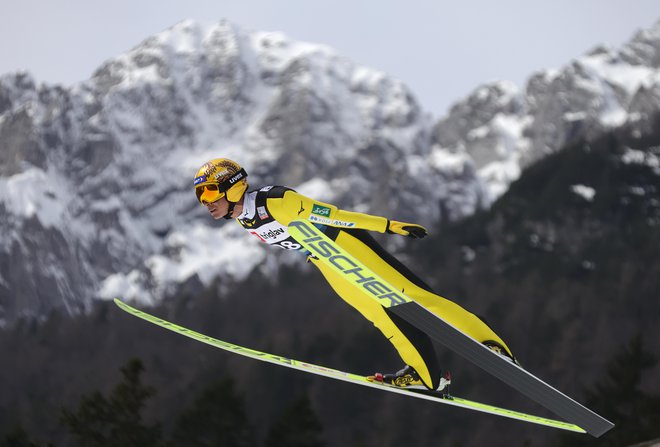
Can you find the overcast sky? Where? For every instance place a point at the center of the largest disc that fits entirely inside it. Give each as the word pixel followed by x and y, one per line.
pixel 441 49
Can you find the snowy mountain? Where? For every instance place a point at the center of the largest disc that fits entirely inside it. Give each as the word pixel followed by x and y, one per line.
pixel 504 128
pixel 96 187
pixel 96 180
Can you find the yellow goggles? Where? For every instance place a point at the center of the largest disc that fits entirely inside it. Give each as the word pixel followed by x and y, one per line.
pixel 208 193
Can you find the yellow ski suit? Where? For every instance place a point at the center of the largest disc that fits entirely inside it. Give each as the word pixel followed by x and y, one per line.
pixel 268 211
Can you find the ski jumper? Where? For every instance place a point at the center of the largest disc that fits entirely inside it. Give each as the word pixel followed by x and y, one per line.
pixel 268 211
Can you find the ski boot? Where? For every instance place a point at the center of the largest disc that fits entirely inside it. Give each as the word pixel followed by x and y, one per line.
pixel 408 378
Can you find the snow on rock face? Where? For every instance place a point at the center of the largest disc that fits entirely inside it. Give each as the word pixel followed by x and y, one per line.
pixel 586 192
pixel 98 178
pixel 504 129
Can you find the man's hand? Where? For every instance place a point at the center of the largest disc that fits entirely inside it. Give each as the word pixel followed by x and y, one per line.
pixel 406 229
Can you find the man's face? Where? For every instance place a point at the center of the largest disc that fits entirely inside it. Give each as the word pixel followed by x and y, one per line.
pixel 219 208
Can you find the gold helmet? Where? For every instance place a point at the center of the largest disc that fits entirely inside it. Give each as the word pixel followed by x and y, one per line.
pixel 220 177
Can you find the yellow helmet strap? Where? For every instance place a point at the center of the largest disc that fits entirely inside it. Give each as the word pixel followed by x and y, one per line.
pixel 226 185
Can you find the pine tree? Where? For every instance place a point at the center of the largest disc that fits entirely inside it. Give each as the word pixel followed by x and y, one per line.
pixel 619 397
pixel 217 418
pixel 117 419
pixel 298 426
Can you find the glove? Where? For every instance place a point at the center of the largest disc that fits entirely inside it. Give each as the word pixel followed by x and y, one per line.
pixel 406 229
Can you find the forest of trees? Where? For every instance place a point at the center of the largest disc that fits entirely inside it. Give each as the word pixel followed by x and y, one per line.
pixel 218 416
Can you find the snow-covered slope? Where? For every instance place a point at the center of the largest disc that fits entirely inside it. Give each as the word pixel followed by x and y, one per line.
pixel 504 128
pixel 96 180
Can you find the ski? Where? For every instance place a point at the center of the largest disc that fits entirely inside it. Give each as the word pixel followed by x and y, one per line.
pixel 347 377
pixel 367 282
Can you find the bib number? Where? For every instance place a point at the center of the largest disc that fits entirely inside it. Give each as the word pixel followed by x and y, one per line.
pixel 288 245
